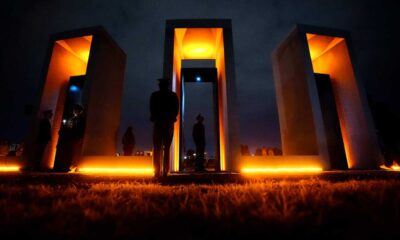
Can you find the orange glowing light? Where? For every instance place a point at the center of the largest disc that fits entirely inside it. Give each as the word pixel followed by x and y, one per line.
pixel 330 55
pixel 395 167
pixel 200 43
pixel 69 58
pixel 79 47
pixel 280 164
pixel 284 170
pixel 10 169
pixel 118 171
pixel 198 51
pixel 122 165
pixel 319 45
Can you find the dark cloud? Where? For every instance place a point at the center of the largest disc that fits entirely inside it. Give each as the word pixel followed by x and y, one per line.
pixel 138 27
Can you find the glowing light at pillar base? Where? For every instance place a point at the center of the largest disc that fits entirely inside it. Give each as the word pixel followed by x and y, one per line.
pixel 298 170
pixel 196 44
pixel 118 171
pixel 394 167
pixel 10 169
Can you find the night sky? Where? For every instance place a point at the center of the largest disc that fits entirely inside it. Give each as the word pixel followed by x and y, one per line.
pixel 139 28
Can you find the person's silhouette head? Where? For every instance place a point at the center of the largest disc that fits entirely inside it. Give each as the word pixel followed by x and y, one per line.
pixel 200 118
pixel 163 83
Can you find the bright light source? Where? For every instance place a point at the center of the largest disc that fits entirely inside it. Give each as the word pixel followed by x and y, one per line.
pixel 198 78
pixel 319 45
pixel 282 170
pixel 64 121
pixel 73 88
pixel 9 169
pixel 199 43
pixel 394 167
pixel 118 171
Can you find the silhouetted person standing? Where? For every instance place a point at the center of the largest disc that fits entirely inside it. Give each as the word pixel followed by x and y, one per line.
pixel 43 138
pixel 164 107
pixel 128 142
pixel 200 141
pixel 244 150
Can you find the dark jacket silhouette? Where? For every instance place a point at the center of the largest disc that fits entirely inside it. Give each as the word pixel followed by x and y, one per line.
pixel 164 107
pixel 198 134
pixel 200 141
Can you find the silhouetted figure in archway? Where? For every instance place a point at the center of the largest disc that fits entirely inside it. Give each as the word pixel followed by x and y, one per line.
pixel 128 142
pixel 244 150
pixel 43 138
pixel 164 107
pixel 200 141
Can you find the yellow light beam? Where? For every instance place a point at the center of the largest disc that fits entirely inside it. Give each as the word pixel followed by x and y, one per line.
pixel 130 171
pixel 394 167
pixel 282 170
pixel 10 169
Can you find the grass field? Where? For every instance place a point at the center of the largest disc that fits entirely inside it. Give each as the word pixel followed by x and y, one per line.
pixel 254 209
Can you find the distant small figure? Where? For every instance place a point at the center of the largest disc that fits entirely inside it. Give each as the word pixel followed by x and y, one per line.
pixel 20 149
pixel 264 151
pixel 244 150
pixel 200 141
pixel 164 107
pixel 271 152
pixel 4 147
pixel 43 138
pixel 128 142
pixel 258 152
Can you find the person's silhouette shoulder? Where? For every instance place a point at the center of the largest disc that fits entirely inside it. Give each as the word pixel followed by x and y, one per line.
pixel 164 104
pixel 164 107
pixel 198 131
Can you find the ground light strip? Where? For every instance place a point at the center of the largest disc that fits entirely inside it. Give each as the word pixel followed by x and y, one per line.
pixel 394 167
pixel 141 171
pixel 10 169
pixel 283 170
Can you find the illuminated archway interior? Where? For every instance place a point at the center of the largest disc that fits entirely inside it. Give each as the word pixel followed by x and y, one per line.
pixel 200 44
pixel 69 57
pixel 330 55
